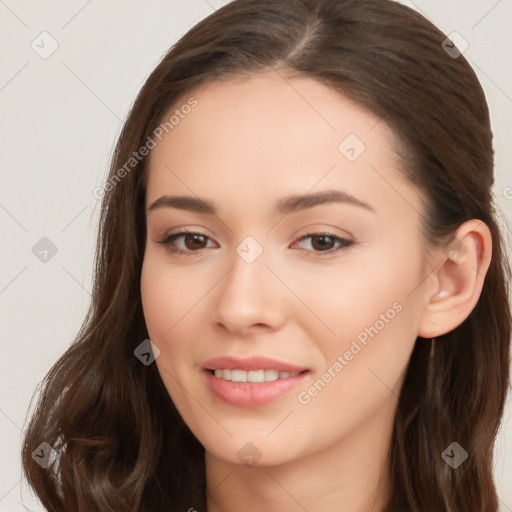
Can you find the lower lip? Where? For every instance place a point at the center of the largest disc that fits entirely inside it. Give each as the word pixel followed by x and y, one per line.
pixel 251 394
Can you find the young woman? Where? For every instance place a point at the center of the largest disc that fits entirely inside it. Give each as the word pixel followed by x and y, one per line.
pixel 300 297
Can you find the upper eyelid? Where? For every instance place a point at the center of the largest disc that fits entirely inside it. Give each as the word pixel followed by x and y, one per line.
pixel 310 234
pixel 182 232
pixel 311 229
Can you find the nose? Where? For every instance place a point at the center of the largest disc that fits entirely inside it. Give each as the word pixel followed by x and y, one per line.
pixel 249 298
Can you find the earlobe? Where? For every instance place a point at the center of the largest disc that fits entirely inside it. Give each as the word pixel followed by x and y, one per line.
pixel 457 279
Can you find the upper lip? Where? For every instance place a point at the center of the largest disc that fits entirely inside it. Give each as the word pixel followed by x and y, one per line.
pixel 250 363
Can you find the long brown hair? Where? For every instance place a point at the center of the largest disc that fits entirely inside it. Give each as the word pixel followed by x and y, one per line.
pixel 120 444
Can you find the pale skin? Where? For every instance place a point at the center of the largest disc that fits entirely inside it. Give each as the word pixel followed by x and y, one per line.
pixel 247 144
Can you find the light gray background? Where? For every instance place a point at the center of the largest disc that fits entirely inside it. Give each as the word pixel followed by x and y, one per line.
pixel 60 117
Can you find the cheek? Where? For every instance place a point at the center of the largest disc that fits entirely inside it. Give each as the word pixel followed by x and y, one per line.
pixel 363 291
pixel 158 301
pixel 168 300
pixel 369 318
pixel 168 295
pixel 175 304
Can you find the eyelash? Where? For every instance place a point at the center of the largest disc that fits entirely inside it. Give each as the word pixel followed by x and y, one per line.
pixel 344 243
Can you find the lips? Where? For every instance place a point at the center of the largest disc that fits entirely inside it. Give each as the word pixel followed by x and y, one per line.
pixel 247 389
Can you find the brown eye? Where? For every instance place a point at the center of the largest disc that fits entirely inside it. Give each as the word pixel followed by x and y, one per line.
pixel 194 241
pixel 322 242
pixel 326 242
pixel 190 242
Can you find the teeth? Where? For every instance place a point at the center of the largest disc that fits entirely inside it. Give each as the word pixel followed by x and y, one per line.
pixel 238 376
pixel 271 375
pixel 256 376
pixel 252 375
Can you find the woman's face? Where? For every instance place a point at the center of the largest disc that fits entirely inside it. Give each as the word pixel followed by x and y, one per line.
pixel 307 257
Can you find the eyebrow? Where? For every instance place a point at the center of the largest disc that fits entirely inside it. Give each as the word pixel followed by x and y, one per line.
pixel 284 206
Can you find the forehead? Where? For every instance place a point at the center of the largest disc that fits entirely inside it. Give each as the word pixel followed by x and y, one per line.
pixel 268 113
pixel 271 135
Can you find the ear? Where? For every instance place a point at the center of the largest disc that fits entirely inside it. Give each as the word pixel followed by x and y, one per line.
pixel 455 285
